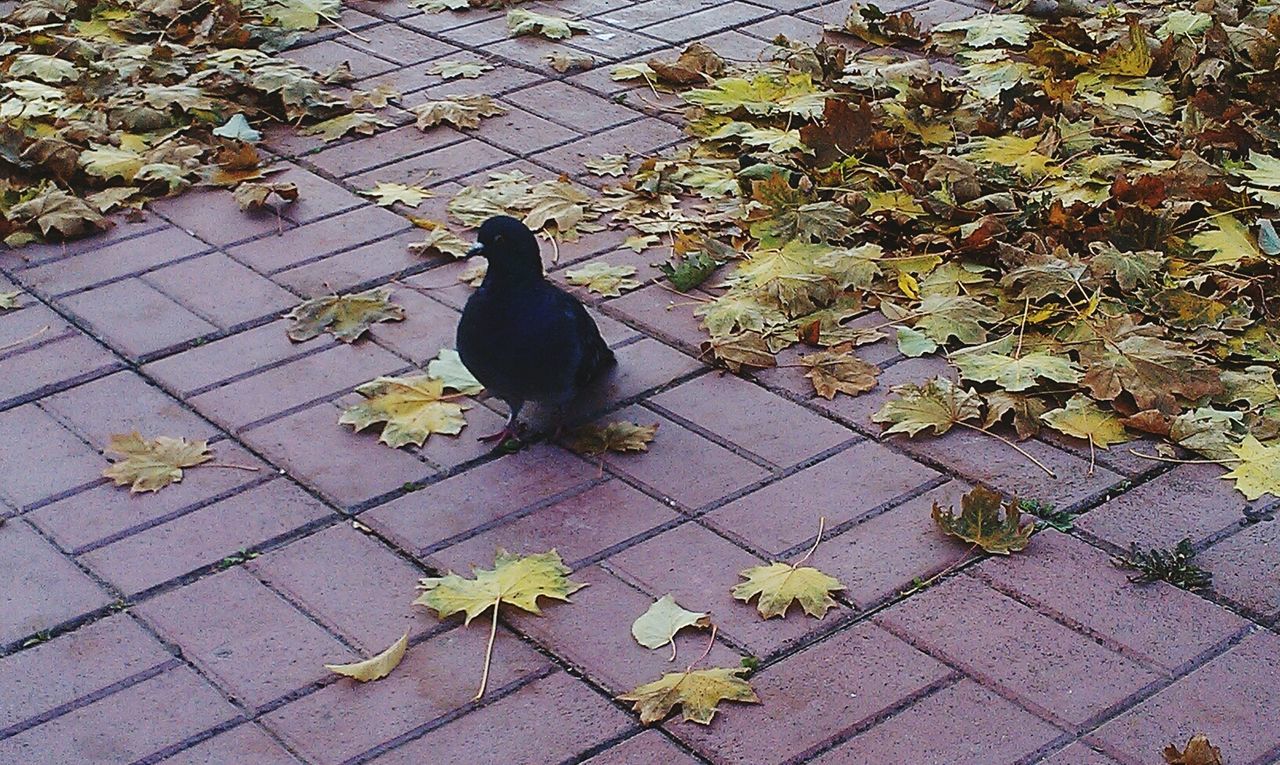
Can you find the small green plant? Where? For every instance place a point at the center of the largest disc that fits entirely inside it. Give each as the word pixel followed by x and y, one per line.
pixel 410 486
pixel 751 664
pixel 43 636
pixel 1047 515
pixel 236 558
pixel 1173 566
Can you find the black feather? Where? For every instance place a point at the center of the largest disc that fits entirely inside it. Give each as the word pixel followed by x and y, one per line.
pixel 521 336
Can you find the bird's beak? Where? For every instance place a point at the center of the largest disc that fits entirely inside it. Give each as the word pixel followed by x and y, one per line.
pixel 475 249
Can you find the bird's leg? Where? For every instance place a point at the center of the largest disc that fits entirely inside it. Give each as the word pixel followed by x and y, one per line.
pixel 511 429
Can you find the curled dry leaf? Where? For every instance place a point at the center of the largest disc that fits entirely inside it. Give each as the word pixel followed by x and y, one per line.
pixel 697 692
pixel 564 62
pixel 450 70
pixel 254 196
pixel 658 625
pixel 362 123
pixel 376 667
pixel 1198 751
pixel 9 300
pixel 981 524
pixel 410 410
pixel 621 437
pixel 439 239
pixel 745 349
pixel 346 317
pixel 152 464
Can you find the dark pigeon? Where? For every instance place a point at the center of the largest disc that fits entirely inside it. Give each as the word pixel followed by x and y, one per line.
pixel 521 336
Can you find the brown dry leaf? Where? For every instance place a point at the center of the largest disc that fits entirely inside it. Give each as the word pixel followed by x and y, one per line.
pixel 375 667
pixel 151 465
pixel 603 279
pixel 697 65
pixel 839 371
pixel 940 404
pixel 745 349
pixel 980 522
pixel 1198 751
pixel 464 112
pixel 621 437
pixel 253 196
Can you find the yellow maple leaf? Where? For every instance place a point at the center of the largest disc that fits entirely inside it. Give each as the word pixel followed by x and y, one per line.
pixel 387 194
pixel 696 691
pixel 980 522
pixel 1084 419
pixel 1229 242
pixel 151 465
pixel 604 279
pixel 376 667
pixel 1259 470
pixel 518 580
pixel 410 408
pixel 345 316
pixel 621 436
pixel 780 584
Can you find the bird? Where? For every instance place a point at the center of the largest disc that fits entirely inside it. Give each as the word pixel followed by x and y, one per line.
pixel 522 337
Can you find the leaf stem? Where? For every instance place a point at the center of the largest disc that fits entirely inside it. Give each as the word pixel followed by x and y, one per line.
pixel 488 651
pixel 822 524
pixel 1007 442
pixel 28 338
pixel 710 644
pixel 229 466
pixel 1176 461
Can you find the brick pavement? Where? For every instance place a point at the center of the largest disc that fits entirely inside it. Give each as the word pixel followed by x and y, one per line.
pixel 191 626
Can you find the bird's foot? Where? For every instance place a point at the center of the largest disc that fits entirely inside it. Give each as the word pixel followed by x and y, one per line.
pixel 509 432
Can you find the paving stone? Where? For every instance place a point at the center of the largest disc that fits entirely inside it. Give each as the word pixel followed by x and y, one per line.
pixel 1079 754
pixel 713 18
pixel 681 465
pixel 661 315
pixel 840 488
pixel 640 137
pixel 1076 583
pixel 523 133
pixel 351 582
pixel 1205 505
pixel 1234 699
pixel 35 254
pixel 112 261
pixel 1246 568
pixel 792 27
pixel 787 377
pixel 964 722
pixel 204 213
pixel 204 366
pixel 294 384
pixel 642 366
pixel 768 425
pixel 982 459
pixel 175 706
pixel 71 666
pixel 39 367
pixel 53 462
pixel 700 568
pixel 880 557
pixel 858 410
pixel 105 511
pixel 366 153
pixel 122 403
pixel 355 269
pixel 242 744
pixel 204 537
pixel 514 729
pixel 231 627
pixel 590 112
pixel 220 290
pixel 435 678
pixel 428 327
pixel 135 318
pixel 810 698
pixel 398 44
pixel 577 527
pixel 440 164
pixel 347 468
pixel 425 519
pixel 647 748
pixel 324 56
pixel 1010 647
pixel 315 240
pixel 317 197
pixel 597 640
pixel 448 452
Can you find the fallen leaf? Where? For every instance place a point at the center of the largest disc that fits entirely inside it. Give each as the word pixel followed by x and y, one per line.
pixel 9 300
pixel 254 196
pixel 1082 418
pixel 697 692
pixel 410 410
pixel 939 404
pixel 346 317
pixel 376 667
pixel 464 112
pixel 152 464
pixel 1198 751
pixel 658 625
pixel 980 522
pixel 839 371
pixel 523 22
pixel 238 128
pixel 440 239
pixel 1259 470
pixel 779 585
pixel 564 62
pixel 620 436
pixel 387 194
pixel 447 367
pixel 363 123
pixel 1016 373
pixel 449 69
pixel 603 279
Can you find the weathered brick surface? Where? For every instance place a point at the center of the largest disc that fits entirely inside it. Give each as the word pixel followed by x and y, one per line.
pixel 1246 568
pixel 231 626
pixel 1188 501
pixel 245 743
pixel 121 403
pixel 964 722
pixel 42 588
pixel 643 749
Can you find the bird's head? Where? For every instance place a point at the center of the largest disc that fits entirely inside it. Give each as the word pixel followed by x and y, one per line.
pixel 509 246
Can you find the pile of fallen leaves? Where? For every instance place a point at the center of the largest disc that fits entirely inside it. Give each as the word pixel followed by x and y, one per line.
pixel 1077 211
pixel 108 104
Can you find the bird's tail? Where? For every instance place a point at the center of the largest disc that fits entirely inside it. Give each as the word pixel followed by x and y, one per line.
pixel 602 359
